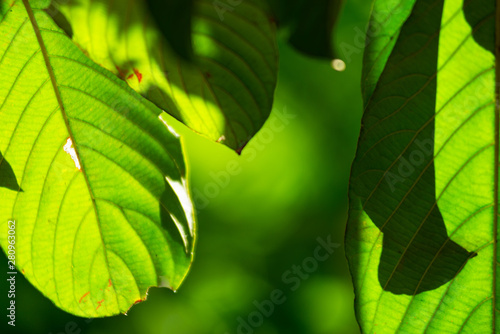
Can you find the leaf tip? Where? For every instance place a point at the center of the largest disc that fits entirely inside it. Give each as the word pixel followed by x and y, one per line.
pixel 240 149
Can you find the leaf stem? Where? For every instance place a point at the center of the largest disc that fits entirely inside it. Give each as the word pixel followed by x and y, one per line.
pixel 497 144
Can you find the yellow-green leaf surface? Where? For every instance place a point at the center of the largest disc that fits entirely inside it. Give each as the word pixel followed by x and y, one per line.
pixel 422 231
pixel 95 182
pixel 224 92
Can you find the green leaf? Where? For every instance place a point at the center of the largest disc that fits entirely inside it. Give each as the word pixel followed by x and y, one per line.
pixel 224 92
pixel 310 23
pixel 422 231
pixel 104 213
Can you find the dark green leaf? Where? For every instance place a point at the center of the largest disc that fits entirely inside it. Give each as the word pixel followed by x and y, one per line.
pixel 311 24
pixel 173 18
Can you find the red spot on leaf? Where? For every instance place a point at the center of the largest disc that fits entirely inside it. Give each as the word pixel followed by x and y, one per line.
pixel 138 301
pixel 22 270
pixel 130 76
pixel 138 74
pixel 86 294
pixel 99 304
pixel 110 284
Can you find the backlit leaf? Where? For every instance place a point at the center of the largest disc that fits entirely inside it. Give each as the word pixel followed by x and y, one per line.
pixel 423 224
pixel 104 212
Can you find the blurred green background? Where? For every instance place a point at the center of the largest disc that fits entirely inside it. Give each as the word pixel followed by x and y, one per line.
pixel 290 187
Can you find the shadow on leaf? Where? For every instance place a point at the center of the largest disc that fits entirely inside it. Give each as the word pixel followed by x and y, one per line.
pixel 480 17
pixel 398 138
pixel 7 177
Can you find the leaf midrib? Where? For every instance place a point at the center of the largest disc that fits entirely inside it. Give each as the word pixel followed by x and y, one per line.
pixel 57 93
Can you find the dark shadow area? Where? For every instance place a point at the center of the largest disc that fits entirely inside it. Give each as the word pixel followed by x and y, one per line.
pixel 60 19
pixel 311 24
pixel 417 253
pixel 480 15
pixel 173 18
pixel 7 177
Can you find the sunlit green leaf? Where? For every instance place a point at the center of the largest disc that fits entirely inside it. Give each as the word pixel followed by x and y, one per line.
pixel 224 92
pixel 104 211
pixel 422 231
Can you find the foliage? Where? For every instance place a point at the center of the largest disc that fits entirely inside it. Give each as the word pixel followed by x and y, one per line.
pixel 422 232
pixel 102 193
pixel 92 173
